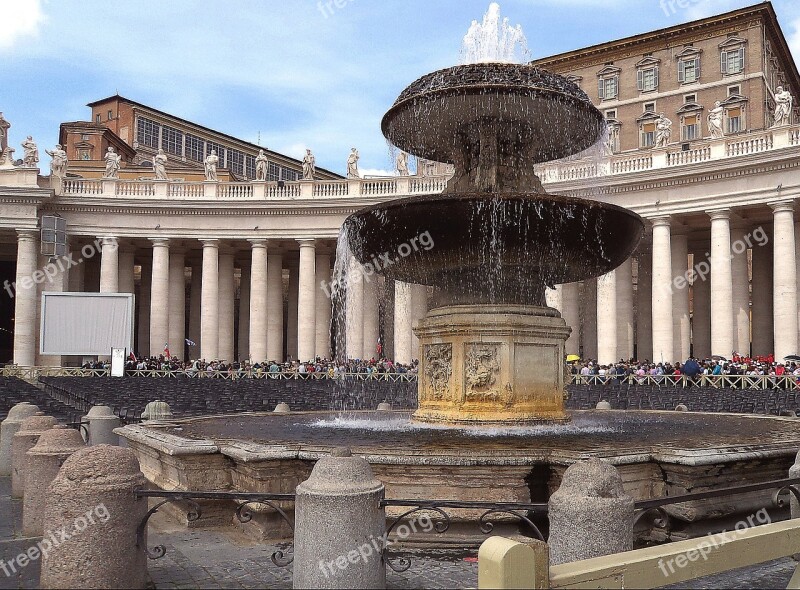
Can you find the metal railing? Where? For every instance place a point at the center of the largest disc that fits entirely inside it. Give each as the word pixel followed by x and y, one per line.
pixel 755 382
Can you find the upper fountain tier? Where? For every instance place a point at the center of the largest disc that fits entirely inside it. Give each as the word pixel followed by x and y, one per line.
pixel 493 121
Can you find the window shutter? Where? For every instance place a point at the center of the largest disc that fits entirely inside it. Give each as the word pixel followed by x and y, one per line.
pixel 697 68
pixel 723 62
pixel 600 89
pixel 741 59
pixel 640 80
pixel 681 66
pixel 614 86
pixel 655 76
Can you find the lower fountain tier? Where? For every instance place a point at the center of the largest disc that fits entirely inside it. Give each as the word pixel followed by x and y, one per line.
pixel 492 364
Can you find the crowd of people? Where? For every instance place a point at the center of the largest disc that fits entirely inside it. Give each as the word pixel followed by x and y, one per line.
pixel 330 368
pixel 760 366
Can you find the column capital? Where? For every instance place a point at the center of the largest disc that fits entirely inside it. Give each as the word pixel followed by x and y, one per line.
pixel 210 243
pixel 160 242
pixel 307 242
pixel 108 240
pixel 258 243
pixel 27 234
pixel 786 206
pixel 719 214
pixel 663 221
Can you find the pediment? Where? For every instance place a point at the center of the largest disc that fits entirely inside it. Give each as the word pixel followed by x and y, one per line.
pixel 689 52
pixel 84 145
pixel 648 62
pixel 609 71
pixel 574 78
pixel 734 99
pixel 648 116
pixel 690 107
pixel 732 42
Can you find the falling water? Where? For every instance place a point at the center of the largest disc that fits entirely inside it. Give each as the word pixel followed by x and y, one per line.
pixel 494 40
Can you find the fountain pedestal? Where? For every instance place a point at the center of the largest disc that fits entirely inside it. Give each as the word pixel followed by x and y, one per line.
pixel 492 364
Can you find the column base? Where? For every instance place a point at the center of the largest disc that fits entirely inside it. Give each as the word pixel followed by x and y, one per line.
pixel 492 364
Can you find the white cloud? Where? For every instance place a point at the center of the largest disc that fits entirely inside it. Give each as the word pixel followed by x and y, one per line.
pixel 20 18
pixel 365 172
pixel 793 34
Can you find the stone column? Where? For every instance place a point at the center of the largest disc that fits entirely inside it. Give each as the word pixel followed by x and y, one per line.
pixel 623 276
pixel 741 291
pixel 259 309
pixel 784 307
pixel 323 303
pixel 682 328
pixel 644 305
pixel 338 524
pixel 590 513
pixel 721 284
pixel 355 310
pixel 195 297
pixel 762 293
pixel 209 302
pixel 97 481
pixel 274 307
pixel 243 343
pixel 177 303
pixel 419 309
pixel 227 296
pixel 143 344
pixel 701 310
pixel 570 300
pixel 663 327
pixel 159 297
pixel 307 301
pixel 607 319
pixel 109 265
pixel 44 461
pixel 371 319
pixel 8 428
pixel 291 317
pixel 75 280
pixel 25 303
pixel 402 322
pixel 589 310
pixel 127 272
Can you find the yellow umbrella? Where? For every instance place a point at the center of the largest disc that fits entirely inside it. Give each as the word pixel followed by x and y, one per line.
pixel 572 358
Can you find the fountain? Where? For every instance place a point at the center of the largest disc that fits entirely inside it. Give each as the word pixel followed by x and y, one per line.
pixel 491 349
pixel 490 424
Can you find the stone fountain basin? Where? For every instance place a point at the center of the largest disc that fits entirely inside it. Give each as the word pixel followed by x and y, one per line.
pixel 657 454
pixel 543 116
pixel 494 244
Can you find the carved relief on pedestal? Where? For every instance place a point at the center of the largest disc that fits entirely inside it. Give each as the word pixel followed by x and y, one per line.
pixel 438 369
pixel 481 373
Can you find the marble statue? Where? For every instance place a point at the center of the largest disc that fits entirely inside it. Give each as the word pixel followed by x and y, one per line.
pixel 663 131
pixel 612 132
pixel 59 162
pixel 160 165
pixel 113 160
pixel 352 164
pixel 716 118
pixel 783 107
pixel 309 166
pixel 401 163
pixel 4 125
pixel 210 163
pixel 30 158
pixel 262 165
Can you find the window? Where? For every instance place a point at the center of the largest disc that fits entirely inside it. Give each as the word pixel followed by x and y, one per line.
pixel 689 70
pixel 608 87
pixel 691 128
pixel 273 172
pixel 172 140
pixel 732 61
pixel 110 115
pixel 250 166
pixel 84 155
pixel 734 116
pixel 236 161
pixel 648 134
pixel 194 148
pixel 649 107
pixel 97 117
pixel 147 132
pixel 612 114
pixel 210 145
pixel 689 98
pixel 291 175
pixel 734 90
pixel 647 79
pixel 85 137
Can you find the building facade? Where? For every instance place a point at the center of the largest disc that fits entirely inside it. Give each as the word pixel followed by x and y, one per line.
pixel 242 268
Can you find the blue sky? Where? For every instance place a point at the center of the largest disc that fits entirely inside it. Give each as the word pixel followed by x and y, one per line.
pixel 290 70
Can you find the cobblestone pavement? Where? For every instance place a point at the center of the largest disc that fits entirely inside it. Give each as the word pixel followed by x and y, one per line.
pixel 213 559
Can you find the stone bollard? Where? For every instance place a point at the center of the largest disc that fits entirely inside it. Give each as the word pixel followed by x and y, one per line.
pixel 157 410
pixel 8 428
pixel 590 513
pixel 44 460
pixel 384 407
pixel 794 471
pixel 28 435
pixel 681 408
pixel 92 499
pixel 282 408
pixel 339 526
pixel 102 423
pixel 603 405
